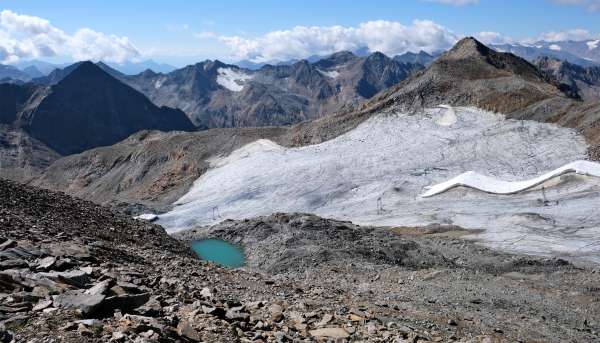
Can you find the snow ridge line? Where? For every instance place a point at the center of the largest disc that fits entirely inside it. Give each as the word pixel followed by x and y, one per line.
pixel 487 184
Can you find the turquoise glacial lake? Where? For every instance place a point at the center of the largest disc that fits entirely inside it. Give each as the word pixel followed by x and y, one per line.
pixel 220 252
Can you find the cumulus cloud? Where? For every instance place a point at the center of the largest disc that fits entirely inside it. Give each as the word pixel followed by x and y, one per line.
pixel 388 37
pixel 455 2
pixel 575 35
pixel 24 36
pixel 490 37
pixel 589 5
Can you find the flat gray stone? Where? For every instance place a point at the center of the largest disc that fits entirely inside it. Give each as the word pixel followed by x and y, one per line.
pixel 87 304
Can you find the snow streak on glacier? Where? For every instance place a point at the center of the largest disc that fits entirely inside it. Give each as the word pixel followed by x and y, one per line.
pixel 487 184
pixel 376 173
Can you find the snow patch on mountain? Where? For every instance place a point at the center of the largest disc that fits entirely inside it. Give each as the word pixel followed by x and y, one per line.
pixel 232 79
pixel 555 47
pixel 593 44
pixel 331 74
pixel 487 184
pixel 376 173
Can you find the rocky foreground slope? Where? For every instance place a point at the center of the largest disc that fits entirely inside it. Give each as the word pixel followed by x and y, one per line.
pixel 71 271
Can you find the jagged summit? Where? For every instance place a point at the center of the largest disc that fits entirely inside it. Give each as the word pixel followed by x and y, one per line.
pixel 471 74
pixel 467 47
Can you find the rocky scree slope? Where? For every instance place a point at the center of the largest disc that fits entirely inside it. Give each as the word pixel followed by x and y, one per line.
pixel 426 273
pixel 79 272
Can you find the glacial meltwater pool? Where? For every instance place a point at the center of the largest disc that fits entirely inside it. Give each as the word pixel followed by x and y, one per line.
pixel 220 252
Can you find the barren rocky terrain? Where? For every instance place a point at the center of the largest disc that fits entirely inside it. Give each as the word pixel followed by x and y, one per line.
pixel 71 271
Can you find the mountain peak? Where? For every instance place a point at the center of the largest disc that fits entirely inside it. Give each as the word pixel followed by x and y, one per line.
pixel 467 47
pixel 377 56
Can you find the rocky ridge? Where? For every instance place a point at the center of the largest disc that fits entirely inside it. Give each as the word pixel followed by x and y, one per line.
pixel 583 81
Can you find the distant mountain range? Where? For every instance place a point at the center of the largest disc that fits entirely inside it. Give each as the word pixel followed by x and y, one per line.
pixel 215 94
pixel 584 53
pixel 27 70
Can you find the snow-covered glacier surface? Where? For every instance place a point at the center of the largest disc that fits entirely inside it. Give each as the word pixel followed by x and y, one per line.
pixel 376 174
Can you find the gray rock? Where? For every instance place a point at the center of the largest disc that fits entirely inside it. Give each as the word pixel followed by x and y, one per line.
pixel 7 244
pixel 46 263
pixel 13 264
pixel 15 321
pixel 75 278
pixel 329 333
pixel 42 305
pixel 125 303
pixel 87 304
pixel 236 313
pixel 99 288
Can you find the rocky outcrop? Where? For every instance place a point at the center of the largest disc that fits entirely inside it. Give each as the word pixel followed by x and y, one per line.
pixel 584 82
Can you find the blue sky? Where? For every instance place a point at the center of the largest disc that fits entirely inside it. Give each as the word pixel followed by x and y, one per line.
pixel 181 32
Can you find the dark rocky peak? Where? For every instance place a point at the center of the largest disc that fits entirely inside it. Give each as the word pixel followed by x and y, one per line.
pixel 471 59
pixel 422 58
pixel 466 48
pixel 212 67
pixel 87 72
pixel 304 73
pixel 336 59
pixel 148 73
pixel 56 75
pixel 378 57
pixel 89 108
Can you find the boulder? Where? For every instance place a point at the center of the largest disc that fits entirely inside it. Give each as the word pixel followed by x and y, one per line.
pixel 13 264
pixel 75 278
pixel 46 263
pixel 329 333
pixel 87 304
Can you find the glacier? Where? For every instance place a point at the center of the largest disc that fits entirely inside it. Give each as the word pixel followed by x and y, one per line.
pixel 232 79
pixel 376 173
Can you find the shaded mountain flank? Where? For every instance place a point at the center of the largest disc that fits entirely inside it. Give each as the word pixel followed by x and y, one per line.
pixel 86 109
pixel 583 81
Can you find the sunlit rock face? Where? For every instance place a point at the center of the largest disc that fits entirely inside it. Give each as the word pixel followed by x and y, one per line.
pixel 376 174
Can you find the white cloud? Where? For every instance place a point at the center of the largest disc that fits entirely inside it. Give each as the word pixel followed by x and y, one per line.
pixel 24 36
pixel 589 5
pixel 389 37
pixel 455 2
pixel 575 35
pixel 490 37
